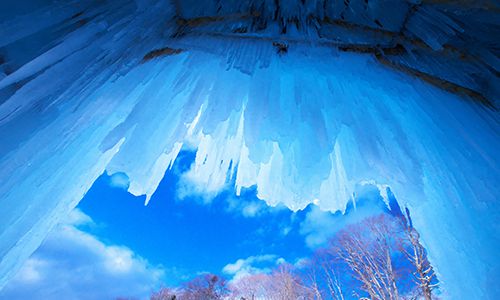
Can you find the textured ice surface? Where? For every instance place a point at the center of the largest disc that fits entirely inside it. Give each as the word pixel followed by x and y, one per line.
pixel 304 127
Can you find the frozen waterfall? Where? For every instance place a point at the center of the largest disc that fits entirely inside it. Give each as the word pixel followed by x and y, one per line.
pixel 94 86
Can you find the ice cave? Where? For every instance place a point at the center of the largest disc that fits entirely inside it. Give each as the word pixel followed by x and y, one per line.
pixel 305 100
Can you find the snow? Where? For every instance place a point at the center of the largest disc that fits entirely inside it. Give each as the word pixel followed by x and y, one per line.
pixel 307 126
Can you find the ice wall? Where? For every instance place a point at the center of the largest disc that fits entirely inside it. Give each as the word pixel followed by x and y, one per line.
pixel 452 44
pixel 83 92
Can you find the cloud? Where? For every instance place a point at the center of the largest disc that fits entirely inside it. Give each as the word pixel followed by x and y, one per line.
pixel 252 265
pixel 248 207
pixel 119 180
pixel 77 218
pixel 196 181
pixel 186 189
pixel 72 264
pixel 301 262
pixel 318 226
pixel 196 185
pixel 286 230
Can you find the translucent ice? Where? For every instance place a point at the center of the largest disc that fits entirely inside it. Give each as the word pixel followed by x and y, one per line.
pixel 303 127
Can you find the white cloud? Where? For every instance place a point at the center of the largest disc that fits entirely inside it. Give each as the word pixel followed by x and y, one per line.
pixel 72 264
pixel 252 265
pixel 186 188
pixel 234 268
pixel 250 209
pixel 76 218
pixel 247 207
pixel 119 180
pixel 318 226
pixel 301 262
pixel 280 261
pixel 286 230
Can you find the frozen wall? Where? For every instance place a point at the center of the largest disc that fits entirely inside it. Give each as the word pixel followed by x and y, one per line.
pixel 452 44
pixel 88 87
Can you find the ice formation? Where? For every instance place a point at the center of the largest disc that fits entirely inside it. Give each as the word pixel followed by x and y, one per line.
pixel 122 86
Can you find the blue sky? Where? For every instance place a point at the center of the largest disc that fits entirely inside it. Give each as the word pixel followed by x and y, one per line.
pixel 187 232
pixel 122 248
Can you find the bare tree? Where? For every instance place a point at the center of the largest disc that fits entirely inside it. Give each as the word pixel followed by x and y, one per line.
pixel 281 284
pixel 332 280
pixel 367 249
pixel 205 287
pixel 285 284
pixel 164 294
pixel 322 276
pixel 251 287
pixel 364 250
pixel 416 254
pixel 312 278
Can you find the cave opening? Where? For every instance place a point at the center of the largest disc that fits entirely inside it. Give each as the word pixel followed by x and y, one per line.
pixel 221 120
